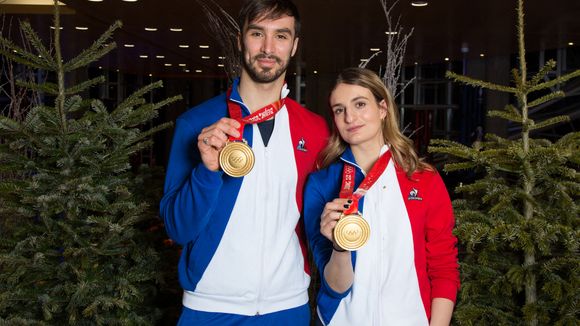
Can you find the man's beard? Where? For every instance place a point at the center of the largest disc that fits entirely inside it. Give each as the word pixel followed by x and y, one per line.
pixel 265 75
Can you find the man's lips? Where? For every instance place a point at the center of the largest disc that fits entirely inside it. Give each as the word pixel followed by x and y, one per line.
pixel 267 62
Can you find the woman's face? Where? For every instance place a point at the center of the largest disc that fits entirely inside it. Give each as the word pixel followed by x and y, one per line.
pixel 357 115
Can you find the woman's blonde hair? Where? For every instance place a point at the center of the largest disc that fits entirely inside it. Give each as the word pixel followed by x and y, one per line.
pixel 401 147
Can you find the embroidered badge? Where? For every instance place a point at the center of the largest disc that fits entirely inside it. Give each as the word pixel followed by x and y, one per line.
pixel 413 195
pixel 301 145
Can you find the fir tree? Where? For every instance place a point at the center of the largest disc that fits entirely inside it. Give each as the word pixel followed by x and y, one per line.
pixel 73 250
pixel 518 222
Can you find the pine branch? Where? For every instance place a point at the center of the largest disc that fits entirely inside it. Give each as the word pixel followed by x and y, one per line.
pixel 505 115
pixel 98 49
pixel 451 167
pixel 512 109
pixel 19 55
pixel 456 151
pixel 546 98
pixel 72 103
pixel 49 88
pixel 549 122
pixel 549 66
pixel 139 146
pixel 36 42
pixel 48 117
pixel 32 120
pixel 569 146
pixel 84 85
pixel 152 131
pixel 139 116
pixel 98 107
pixel 9 126
pixel 499 140
pixel 479 83
pixel 554 82
pixel 137 97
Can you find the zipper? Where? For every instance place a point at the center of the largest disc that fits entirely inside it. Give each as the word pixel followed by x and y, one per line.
pixel 262 231
pixel 381 249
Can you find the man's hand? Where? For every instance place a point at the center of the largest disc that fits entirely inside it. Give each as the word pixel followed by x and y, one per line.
pixel 213 138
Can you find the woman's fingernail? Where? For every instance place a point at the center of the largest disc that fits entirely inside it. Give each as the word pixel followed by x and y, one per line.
pixel 346 205
pixel 349 201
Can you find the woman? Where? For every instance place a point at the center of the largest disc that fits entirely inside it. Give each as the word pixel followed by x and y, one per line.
pixel 407 272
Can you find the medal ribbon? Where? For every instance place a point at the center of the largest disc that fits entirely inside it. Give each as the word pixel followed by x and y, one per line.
pixel 260 115
pixel 348 174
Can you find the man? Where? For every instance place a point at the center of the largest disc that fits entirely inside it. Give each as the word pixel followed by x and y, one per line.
pixel 244 254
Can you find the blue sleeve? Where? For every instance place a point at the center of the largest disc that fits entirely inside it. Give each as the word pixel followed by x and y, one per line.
pixel 191 190
pixel 314 201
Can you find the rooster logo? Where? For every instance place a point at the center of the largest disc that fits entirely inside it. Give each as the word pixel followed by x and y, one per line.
pixel 414 195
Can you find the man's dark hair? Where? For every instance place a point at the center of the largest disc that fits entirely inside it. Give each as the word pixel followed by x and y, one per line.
pixel 268 9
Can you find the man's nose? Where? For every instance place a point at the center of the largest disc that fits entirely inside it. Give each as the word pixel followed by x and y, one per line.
pixel 267 45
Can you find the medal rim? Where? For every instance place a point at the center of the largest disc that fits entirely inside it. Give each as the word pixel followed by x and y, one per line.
pixel 345 220
pixel 227 151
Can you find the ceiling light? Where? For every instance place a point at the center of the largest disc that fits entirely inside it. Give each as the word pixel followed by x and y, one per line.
pixel 81 28
pixel 160 56
pixel 221 58
pixel 151 29
pixel 150 75
pixel 186 70
pixel 184 46
pixel 95 0
pixel 391 33
pixel 315 72
pixel 176 29
pixel 375 49
pixel 205 57
pixel 198 70
pixel 570 43
pixel 220 64
pixel 52 27
pixel 168 65
pixel 364 60
pixel 416 63
pixel 446 59
pixel 204 46
pixel 100 67
pixel 182 65
pixel 129 45
pixel 419 3
pixel 482 55
pixel 144 56
pixel 130 0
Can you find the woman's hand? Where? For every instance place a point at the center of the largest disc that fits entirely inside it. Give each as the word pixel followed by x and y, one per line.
pixel 331 215
pixel 338 271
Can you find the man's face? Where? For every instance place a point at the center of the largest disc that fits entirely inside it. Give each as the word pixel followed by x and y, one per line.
pixel 267 46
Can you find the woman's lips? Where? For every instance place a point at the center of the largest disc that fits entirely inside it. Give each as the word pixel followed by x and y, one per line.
pixel 354 129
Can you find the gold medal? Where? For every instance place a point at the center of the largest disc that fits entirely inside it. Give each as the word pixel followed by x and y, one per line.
pixel 352 232
pixel 237 159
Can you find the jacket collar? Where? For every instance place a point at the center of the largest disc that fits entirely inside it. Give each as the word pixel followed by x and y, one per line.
pixel 236 97
pixel 348 157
